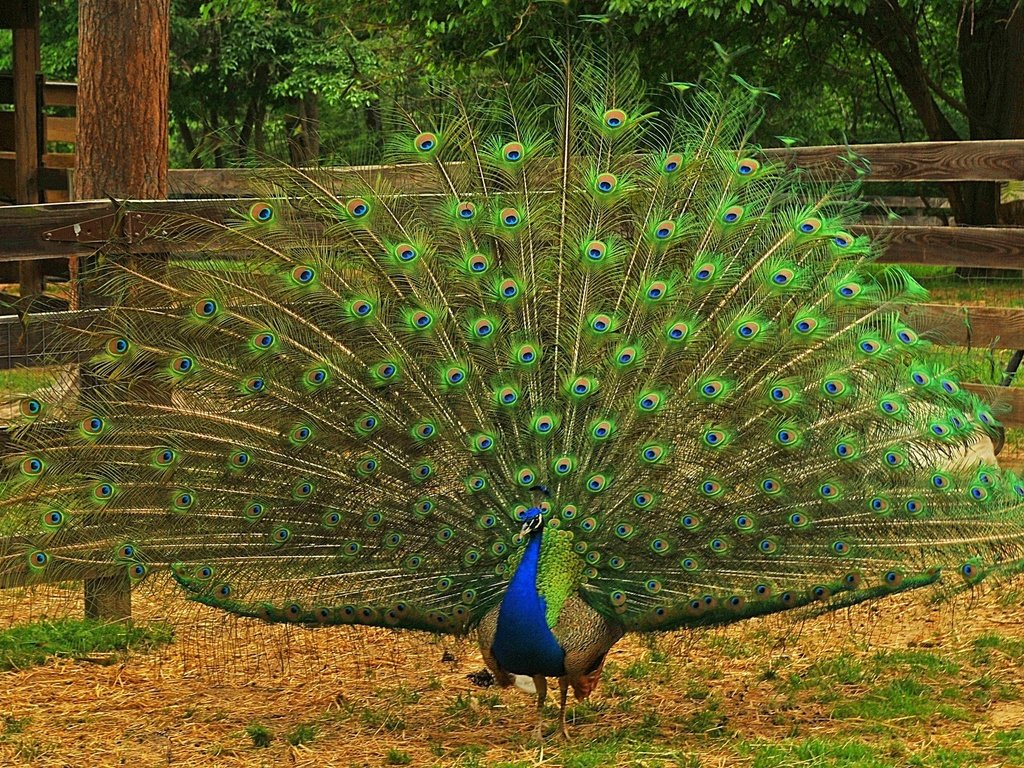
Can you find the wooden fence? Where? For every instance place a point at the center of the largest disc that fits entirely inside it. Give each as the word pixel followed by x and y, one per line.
pixel 60 230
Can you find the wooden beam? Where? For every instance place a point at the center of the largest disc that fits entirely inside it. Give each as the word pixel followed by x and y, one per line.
pixel 973 327
pixel 26 131
pixel 60 129
pixel 992 247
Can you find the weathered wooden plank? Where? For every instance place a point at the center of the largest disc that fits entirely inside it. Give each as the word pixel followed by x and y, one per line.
pixel 1007 402
pixel 60 128
pixel 992 247
pixel 975 327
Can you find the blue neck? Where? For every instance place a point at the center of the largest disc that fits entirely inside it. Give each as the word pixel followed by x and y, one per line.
pixel 523 643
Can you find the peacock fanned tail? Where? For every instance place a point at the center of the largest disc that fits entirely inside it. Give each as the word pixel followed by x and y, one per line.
pixel 339 408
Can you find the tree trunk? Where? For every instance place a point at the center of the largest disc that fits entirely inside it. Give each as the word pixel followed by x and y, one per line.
pixel 121 151
pixel 303 130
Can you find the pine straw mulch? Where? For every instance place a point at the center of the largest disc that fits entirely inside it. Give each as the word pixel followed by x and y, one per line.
pixel 376 697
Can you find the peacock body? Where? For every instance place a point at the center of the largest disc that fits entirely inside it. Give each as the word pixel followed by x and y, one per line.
pixel 569 369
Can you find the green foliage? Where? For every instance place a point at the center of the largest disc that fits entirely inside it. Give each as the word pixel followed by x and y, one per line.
pixel 301 734
pixel 27 644
pixel 398 757
pixel 261 735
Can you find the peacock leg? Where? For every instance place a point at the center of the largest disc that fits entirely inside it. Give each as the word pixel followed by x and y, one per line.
pixel 563 684
pixel 541 684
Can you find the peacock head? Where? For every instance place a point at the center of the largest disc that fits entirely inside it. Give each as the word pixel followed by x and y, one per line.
pixel 533 521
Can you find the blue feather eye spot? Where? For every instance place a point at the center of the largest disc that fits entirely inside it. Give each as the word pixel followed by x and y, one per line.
pixel 842 240
pixel 471 557
pixel 712 389
pixel 600 323
pixel 261 212
pixel 373 519
pixel 849 290
pixel 786 436
pixel 652 454
pixel 508 289
pixel 509 217
pixel 616 562
pixel 385 371
pixel 589 525
pixel 869 346
pixel 763 590
pixel 487 521
pixel 783 277
pixel 264 340
pixel 507 396
pixel 351 548
pixel 829 491
pixel 366 424
pixel 845 450
pixel 653 586
pixel 605 183
pixel 183 500
pixel 475 483
pixel 968 571
pixel 798 520
pixel 357 207
pixel 602 429
pixel 747 167
pixel 569 512
pixel 985 418
pixel 744 522
pixel 331 520
pixel 986 479
pixel 672 163
pixel 303 275
pixel 483 328
pixel 527 354
pixel 614 118
pixel 978 492
pixel 893 578
pixel 732 214
pixel 879 505
pixel 914 506
pixel 137 571
pixel 624 530
pixel 834 387
pixel 689 564
pixel 907 336
pixel 890 407
pixel 425 142
pixel 711 488
pixel 626 355
pixel 543 424
pixel 32 467
pixel 300 434
pixel 920 378
pixel 424 430
pixel 360 308
pixel 424 507
pixel 768 546
pixel 677 331
pixel 805 325
pixel 455 375
pixel 690 522
pixel 103 492
pixel 30 407
pixel 596 483
pixel 53 519
pixel 421 471
pixel 809 226
pixel 205 308
pixel 939 429
pixel 748 330
pixel 239 460
pixel 254 511
pixel 657 290
pixel 781 394
pixel 595 250
pixel 117 346
pixel 894 459
pixel 182 364
pixel 303 490
pixel 445 535
pixel 840 547
pixel 405 252
pixel 940 481
pixel 649 402
pixel 704 272
pixel 254 385
pixel 38 559
pixel 478 263
pixel 316 377
pixel 582 386
pixel 719 546
pixel 421 320
pixel 513 152
pixel 617 598
pixel 483 442
pixel 465 211
pixel 949 386
pixel 957 422
pixel 643 499
pixel 663 230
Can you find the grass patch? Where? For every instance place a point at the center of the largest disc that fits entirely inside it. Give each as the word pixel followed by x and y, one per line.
pixel 904 698
pixel 28 644
pixel 260 735
pixel 820 753
pixel 302 734
pixel 398 757
pixel 25 380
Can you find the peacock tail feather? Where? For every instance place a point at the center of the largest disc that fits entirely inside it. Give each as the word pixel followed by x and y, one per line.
pixel 679 339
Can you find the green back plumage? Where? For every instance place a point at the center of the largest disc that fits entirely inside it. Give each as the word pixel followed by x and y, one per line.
pixel 680 339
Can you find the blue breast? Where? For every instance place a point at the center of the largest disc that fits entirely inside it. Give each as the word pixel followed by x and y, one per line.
pixel 523 643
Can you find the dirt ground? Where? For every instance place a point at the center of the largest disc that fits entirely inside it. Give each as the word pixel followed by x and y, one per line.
pixel 734 696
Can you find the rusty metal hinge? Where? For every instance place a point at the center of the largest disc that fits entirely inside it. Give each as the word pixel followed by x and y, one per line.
pixel 125 227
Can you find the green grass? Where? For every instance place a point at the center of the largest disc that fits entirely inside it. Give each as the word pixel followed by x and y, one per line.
pixel 260 735
pixel 29 644
pixel 25 380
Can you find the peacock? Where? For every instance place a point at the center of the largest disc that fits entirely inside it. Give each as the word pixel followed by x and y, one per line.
pixel 564 368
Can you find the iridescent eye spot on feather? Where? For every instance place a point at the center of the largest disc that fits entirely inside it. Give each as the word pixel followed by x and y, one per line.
pixel 711 488
pixel 264 340
pixel 939 429
pixel 595 250
pixel 507 396
pixel 711 388
pixel 677 331
pixel 357 207
pixel 183 364
pixel 890 407
pixel 455 375
pixel 643 499
pixel 303 275
pixel 625 355
pixel 732 214
pixel 747 167
pixel 425 142
pixel 261 212
pixel 970 572
pixel 649 402
pixel 783 277
pixel 690 522
pixel 652 453
pixel 508 289
pixel 475 483
pixel 845 450
pixel 300 434
pixel 30 407
pixel 907 336
pixel 254 385
pixel 254 511
pixel 715 438
pixel 602 429
pixel 986 417
pixel 162 458
pixel 38 560
pixel 483 442
pixel 849 290
pixel 205 308
pixel 719 545
pixel 589 525
pixel 617 598
pixel 582 386
pixel 920 378
pixel 33 466
pixel 373 519
pixel 53 519
pixel 893 579
pixel 617 563
pixel 809 226
pixel 465 211
pixel 509 217
pixel 781 394
pixel 949 386
pixel 405 253
pixel 842 240
pixel 420 320
pixel 330 520
pixel 614 119
pixel 690 564
pixel 239 459
pixel 894 459
pixel 422 471
pixel 834 387
pixel 483 328
pixel 117 346
pixel 768 546
pixel 605 183
pixel 543 424
pixel 367 465
pixel 183 500
pixel 478 263
pixel 624 530
pixel 744 522
pixel 799 520
pixel 787 437
pixel 513 152
pixel 423 507
pixel 673 162
pixel 316 377
pixel 805 325
pixel 303 489
pixel 92 426
pixel 597 482
pixel 601 323
pixel 829 491
pixel 385 371
pixel 366 424
pixel 748 331
pixel 941 481
pixel 563 465
pixel 978 492
pixel 663 230
pixel 657 290
pixel 361 308
pixel 763 590
pixel 705 272
pixel 527 354
pixel 771 486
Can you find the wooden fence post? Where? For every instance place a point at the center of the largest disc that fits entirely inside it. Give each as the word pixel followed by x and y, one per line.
pixel 26 131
